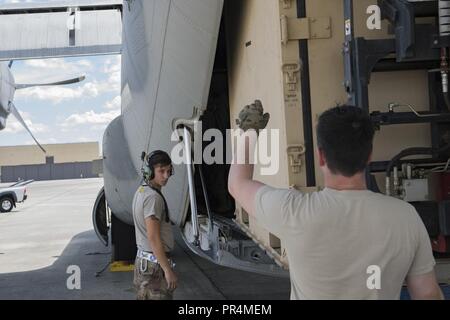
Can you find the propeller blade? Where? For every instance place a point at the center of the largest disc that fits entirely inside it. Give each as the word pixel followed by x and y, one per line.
pixel 19 118
pixel 59 83
pixel 10 64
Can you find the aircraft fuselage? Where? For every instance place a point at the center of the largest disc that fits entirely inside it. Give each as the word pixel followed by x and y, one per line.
pixel 7 90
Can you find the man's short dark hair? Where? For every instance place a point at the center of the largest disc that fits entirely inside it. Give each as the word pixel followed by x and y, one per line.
pixel 345 136
pixel 160 159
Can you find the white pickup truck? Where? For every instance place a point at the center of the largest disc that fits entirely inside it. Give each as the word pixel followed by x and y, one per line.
pixel 13 194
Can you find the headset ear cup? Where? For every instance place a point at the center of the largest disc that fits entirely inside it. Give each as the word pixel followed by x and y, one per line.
pixel 152 173
pixel 148 172
pixel 150 167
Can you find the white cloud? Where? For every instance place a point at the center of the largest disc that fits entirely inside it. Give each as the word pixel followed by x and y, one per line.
pixel 114 104
pixel 51 70
pixel 112 64
pixel 59 64
pixel 14 126
pixel 112 68
pixel 58 94
pixel 38 71
pixel 90 117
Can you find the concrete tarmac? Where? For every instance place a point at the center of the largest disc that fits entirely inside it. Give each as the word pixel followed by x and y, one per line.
pixel 42 238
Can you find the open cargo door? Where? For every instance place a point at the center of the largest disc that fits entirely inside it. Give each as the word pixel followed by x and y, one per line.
pixel 169 51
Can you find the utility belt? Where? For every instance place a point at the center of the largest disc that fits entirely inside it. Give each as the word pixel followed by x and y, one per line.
pixel 150 257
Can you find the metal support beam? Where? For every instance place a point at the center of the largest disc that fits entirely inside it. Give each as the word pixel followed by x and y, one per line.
pixel 391 118
pixel 348 52
pixel 60 29
pixel 192 194
pixel 401 15
pixel 306 103
pixel 9 55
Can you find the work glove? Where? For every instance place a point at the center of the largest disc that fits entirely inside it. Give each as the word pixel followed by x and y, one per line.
pixel 253 117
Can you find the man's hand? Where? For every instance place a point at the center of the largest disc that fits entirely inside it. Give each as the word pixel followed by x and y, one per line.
pixel 253 117
pixel 171 278
pixel 240 181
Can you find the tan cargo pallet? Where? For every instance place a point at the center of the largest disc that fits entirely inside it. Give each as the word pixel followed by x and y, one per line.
pixel 268 242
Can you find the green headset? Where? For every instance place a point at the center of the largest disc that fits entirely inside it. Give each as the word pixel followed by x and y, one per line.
pixel 148 170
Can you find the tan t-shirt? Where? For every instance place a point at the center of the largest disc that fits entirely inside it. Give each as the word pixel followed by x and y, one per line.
pixel 337 241
pixel 146 203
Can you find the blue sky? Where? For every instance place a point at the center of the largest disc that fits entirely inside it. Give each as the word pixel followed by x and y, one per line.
pixel 64 114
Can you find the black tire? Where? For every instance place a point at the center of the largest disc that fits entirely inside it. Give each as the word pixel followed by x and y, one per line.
pixel 6 204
